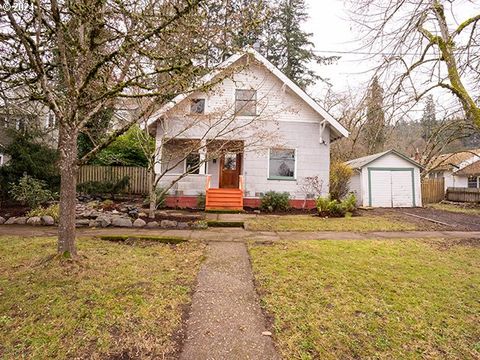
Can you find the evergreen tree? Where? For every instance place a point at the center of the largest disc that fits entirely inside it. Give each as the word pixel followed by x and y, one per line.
pixel 429 120
pixel 288 47
pixel 375 127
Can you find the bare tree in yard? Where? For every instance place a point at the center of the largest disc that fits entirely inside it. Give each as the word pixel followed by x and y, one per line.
pixel 81 57
pixel 424 45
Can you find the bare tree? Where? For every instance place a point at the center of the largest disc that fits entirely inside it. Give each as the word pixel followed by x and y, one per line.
pixel 80 57
pixel 423 46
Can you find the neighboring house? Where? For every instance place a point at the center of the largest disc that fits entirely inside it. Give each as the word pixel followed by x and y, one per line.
pixel 386 179
pixel 460 169
pixel 257 131
pixel 43 120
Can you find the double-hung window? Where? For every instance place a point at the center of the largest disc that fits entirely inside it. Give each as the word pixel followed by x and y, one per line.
pixel 281 164
pixel 245 102
pixel 473 182
pixel 192 163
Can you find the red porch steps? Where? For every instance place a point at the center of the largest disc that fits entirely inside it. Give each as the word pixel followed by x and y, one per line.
pixel 224 199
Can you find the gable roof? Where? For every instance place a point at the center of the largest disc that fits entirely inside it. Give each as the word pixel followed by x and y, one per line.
pixel 470 170
pixel 365 160
pixel 453 161
pixel 338 128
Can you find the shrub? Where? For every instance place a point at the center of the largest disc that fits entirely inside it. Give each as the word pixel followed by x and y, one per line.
pixel 201 201
pixel 275 201
pixel 31 191
pixel 340 175
pixel 101 188
pixel 52 210
pixel 335 208
pixel 160 197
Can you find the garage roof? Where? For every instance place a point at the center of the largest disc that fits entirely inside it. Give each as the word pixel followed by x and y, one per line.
pixel 365 160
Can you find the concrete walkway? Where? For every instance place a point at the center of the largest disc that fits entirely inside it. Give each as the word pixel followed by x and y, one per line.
pixel 226 321
pixel 239 234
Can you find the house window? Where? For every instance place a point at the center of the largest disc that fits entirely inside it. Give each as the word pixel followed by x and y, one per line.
pixel 473 182
pixel 192 164
pixel 245 102
pixel 281 164
pixel 197 106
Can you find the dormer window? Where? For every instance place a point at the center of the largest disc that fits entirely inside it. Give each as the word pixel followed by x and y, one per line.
pixel 197 106
pixel 245 102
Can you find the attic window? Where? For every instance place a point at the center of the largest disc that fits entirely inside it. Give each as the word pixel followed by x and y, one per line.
pixel 245 102
pixel 197 106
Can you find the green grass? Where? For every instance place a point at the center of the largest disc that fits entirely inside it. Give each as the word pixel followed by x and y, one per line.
pixel 115 301
pixel 397 299
pixel 316 223
pixel 455 208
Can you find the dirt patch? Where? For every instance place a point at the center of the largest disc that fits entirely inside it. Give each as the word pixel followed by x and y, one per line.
pixel 451 221
pixel 447 244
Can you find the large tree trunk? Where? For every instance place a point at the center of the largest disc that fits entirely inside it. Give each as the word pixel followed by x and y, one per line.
pixel 68 193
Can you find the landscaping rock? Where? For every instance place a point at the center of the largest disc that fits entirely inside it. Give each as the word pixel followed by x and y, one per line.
pixel 121 222
pixel 168 224
pixel 22 220
pixel 142 214
pixel 152 224
pixel 2 220
pixel 11 220
pixel 103 221
pixel 139 223
pixel 182 225
pixel 34 220
pixel 47 220
pixel 82 222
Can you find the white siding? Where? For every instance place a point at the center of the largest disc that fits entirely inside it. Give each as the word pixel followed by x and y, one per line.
pixel 454 180
pixel 389 161
pixel 355 186
pixel 284 120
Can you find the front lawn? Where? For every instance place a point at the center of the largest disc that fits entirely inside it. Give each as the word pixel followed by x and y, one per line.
pixel 316 223
pixel 116 301
pixel 390 299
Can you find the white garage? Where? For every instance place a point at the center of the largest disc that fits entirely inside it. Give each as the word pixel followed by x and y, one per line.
pixel 386 179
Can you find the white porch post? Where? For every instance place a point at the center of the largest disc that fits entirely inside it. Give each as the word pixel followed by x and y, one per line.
pixel 158 149
pixel 203 155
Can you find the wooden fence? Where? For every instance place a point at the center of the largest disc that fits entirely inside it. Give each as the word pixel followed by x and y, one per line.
pixel 463 194
pixel 138 176
pixel 433 190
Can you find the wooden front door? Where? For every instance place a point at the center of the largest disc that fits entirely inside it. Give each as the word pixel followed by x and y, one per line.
pixel 230 170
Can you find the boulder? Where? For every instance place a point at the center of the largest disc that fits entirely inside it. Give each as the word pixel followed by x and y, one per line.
pixel 103 221
pixel 139 223
pixel 82 222
pixel 34 220
pixel 2 220
pixel 118 221
pixel 152 224
pixel 47 220
pixel 22 220
pixel 10 220
pixel 168 224
pixel 182 225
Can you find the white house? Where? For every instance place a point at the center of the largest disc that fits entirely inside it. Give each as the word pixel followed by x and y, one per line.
pixel 386 179
pixel 252 131
pixel 460 169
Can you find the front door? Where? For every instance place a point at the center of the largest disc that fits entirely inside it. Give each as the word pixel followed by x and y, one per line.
pixel 230 170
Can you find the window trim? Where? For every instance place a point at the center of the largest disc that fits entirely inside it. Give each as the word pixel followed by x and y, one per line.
pixel 185 164
pixel 204 106
pixel 254 99
pixel 477 178
pixel 282 178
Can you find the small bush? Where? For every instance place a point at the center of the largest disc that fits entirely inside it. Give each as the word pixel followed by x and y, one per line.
pixel 275 201
pixel 334 208
pixel 201 201
pixel 31 192
pixel 52 210
pixel 102 188
pixel 340 175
